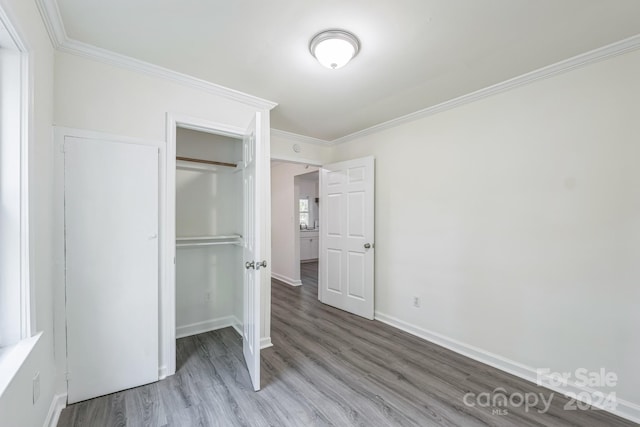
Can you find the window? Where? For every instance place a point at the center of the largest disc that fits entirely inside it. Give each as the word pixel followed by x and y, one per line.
pixel 14 278
pixel 304 213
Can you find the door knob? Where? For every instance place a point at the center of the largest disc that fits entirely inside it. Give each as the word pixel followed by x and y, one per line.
pixel 367 245
pixel 248 265
pixel 261 264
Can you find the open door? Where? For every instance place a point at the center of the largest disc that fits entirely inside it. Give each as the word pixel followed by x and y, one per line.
pixel 252 215
pixel 346 258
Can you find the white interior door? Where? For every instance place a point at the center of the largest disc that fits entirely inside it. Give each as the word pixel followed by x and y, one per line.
pixel 111 238
pixel 346 259
pixel 252 215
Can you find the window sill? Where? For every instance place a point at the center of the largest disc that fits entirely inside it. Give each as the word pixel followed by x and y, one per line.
pixel 12 358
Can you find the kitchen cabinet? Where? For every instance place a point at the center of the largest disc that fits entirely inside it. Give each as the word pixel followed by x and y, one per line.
pixel 309 245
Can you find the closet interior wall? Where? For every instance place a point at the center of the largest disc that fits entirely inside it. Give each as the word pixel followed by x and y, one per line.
pixel 209 229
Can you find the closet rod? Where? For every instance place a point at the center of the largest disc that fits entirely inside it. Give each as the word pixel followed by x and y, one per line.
pixel 209 162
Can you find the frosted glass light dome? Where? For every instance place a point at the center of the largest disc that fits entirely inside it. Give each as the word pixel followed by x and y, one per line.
pixel 334 48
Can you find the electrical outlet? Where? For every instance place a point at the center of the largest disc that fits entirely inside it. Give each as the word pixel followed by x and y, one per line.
pixel 207 296
pixel 36 387
pixel 416 302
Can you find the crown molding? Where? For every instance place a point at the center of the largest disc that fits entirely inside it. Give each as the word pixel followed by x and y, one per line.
pixel 294 137
pixel 52 19
pixel 55 27
pixel 578 61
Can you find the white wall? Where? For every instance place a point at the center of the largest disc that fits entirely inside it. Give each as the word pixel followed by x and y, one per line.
pixel 284 227
pixel 206 285
pixel 208 203
pixel 516 221
pixel 96 96
pixel 208 146
pixel 309 153
pixel 16 407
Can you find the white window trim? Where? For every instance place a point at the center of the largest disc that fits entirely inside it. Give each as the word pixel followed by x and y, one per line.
pixel 27 300
pixel 308 211
pixel 12 357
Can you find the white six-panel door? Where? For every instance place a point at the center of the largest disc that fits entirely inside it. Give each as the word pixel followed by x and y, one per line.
pixel 111 237
pixel 346 258
pixel 251 288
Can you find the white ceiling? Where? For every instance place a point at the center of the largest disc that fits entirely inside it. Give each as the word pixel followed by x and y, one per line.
pixel 414 53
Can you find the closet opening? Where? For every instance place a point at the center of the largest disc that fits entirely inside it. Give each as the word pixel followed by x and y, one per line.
pixel 209 232
pixel 211 297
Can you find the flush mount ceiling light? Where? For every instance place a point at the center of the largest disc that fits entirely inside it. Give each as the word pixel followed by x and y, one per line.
pixel 334 48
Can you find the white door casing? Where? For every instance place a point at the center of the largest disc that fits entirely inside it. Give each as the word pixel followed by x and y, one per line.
pixel 346 259
pixel 252 216
pixel 111 237
pixel 253 179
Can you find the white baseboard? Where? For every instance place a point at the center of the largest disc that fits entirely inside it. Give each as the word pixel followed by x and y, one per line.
pixel 206 326
pixel 163 372
pixel 58 403
pixel 624 409
pixel 237 325
pixel 265 342
pixel 628 410
pixel 285 279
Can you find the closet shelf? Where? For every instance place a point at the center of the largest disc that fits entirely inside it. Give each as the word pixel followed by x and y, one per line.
pixel 193 241
pixel 198 167
pixel 187 163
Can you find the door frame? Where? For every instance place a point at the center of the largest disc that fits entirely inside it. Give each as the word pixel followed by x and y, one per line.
pixel 320 164
pixel 296 239
pixel 168 257
pixel 296 225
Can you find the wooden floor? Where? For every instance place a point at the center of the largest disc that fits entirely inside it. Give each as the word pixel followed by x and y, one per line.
pixel 326 368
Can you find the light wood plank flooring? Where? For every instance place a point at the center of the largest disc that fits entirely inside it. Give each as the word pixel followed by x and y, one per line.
pixel 326 368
